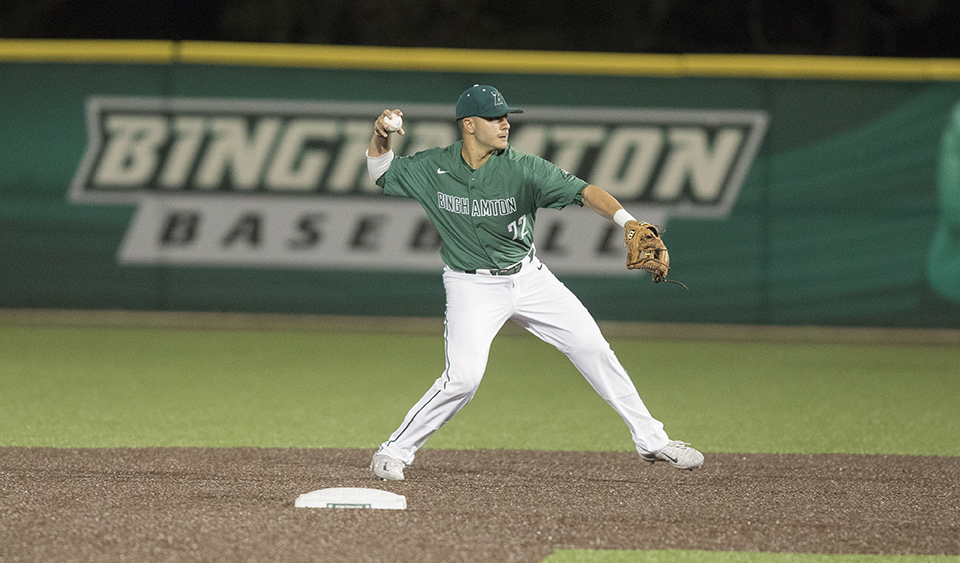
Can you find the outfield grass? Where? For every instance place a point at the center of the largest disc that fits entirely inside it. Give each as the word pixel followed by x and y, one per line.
pixel 105 387
pixel 675 556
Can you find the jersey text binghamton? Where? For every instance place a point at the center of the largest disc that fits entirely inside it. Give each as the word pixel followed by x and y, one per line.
pixel 476 207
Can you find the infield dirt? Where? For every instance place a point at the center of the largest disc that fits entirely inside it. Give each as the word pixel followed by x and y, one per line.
pixel 236 504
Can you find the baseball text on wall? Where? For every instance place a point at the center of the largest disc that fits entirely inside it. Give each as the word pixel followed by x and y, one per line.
pixel 230 182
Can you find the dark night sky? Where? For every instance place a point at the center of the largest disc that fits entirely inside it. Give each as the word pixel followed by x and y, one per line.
pixel 907 28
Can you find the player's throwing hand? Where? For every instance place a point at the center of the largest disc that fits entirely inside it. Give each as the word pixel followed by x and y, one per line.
pixel 389 122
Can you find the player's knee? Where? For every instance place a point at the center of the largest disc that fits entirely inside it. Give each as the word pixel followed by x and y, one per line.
pixel 462 382
pixel 589 348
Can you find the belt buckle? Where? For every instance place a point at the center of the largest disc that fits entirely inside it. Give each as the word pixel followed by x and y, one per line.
pixel 507 271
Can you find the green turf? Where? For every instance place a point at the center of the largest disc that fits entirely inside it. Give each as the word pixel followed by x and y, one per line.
pixel 97 387
pixel 673 556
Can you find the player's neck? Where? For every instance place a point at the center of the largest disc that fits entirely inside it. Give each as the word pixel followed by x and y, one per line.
pixel 476 155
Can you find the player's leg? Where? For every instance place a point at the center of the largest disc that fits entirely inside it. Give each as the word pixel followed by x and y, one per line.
pixel 554 314
pixel 477 307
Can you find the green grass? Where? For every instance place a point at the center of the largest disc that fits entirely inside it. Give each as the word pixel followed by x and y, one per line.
pixel 674 556
pixel 97 387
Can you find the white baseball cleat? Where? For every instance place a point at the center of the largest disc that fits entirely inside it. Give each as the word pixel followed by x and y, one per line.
pixel 677 454
pixel 387 468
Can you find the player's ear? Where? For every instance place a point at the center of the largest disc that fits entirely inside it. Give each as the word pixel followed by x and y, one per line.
pixel 467 125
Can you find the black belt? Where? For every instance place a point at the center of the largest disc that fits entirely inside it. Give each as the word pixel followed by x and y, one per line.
pixel 501 272
pixel 508 271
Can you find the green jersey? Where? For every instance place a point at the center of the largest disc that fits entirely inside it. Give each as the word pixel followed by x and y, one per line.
pixel 485 216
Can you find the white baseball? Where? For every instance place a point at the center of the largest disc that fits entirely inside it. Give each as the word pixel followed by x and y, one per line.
pixel 393 122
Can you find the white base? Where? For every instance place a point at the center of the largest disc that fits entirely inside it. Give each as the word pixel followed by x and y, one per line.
pixel 347 497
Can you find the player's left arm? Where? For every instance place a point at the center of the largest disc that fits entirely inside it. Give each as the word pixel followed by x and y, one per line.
pixel 645 250
pixel 604 204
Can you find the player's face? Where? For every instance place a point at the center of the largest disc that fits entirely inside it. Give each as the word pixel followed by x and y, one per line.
pixel 492 132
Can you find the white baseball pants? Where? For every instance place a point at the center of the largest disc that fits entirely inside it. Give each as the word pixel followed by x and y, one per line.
pixel 477 307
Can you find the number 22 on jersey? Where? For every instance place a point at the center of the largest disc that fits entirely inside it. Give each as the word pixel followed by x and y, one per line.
pixel 518 228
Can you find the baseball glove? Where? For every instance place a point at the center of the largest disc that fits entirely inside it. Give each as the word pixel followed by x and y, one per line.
pixel 646 251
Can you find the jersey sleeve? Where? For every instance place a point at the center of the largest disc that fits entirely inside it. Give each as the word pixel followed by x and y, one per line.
pixel 412 176
pixel 554 187
pixel 396 181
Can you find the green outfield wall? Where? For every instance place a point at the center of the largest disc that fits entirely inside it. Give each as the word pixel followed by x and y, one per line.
pixel 231 177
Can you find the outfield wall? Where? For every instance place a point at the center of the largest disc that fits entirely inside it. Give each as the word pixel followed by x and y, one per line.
pixel 228 177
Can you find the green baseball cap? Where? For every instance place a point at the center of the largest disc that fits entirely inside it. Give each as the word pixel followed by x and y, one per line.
pixel 483 101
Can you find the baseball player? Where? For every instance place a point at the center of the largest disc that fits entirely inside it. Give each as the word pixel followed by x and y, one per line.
pixel 483 197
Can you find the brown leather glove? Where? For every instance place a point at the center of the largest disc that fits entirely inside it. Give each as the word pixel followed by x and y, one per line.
pixel 645 250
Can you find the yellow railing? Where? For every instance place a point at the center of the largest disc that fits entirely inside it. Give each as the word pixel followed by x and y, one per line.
pixel 476 60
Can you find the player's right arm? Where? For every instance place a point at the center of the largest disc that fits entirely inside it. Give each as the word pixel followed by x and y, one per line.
pixel 379 154
pixel 380 143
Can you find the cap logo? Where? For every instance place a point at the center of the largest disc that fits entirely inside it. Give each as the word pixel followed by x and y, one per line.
pixel 480 105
